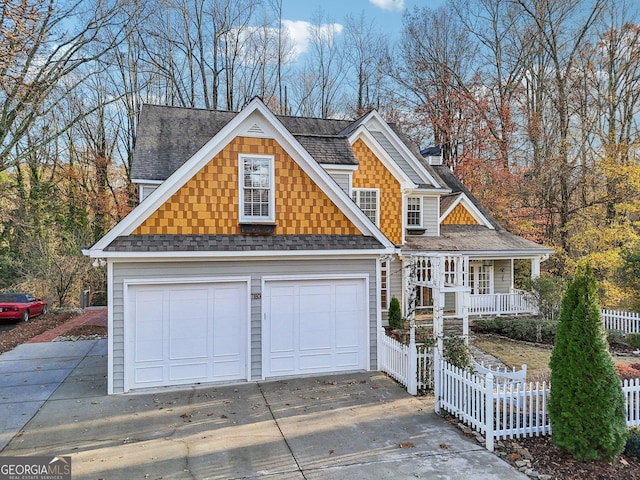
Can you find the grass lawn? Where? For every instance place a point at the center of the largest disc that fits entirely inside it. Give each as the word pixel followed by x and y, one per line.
pixel 514 354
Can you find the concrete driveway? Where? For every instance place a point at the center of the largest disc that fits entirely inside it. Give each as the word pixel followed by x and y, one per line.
pixel 332 427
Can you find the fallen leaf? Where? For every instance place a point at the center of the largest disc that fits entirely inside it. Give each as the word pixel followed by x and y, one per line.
pixel 444 446
pixel 407 445
pixel 330 452
pixel 185 415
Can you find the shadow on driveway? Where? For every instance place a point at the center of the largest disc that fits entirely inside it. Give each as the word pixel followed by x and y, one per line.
pixel 331 427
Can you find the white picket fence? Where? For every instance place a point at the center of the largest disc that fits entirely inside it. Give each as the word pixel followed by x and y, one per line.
pixel 509 409
pixel 625 322
pixel 395 360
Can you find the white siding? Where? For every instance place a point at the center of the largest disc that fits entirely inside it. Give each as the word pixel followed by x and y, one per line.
pixel 431 215
pixel 502 276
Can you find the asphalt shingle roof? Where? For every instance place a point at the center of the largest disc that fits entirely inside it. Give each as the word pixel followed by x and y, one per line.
pixel 240 243
pixel 472 238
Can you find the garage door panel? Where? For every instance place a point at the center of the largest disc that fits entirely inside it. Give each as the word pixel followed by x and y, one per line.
pixel 188 323
pixel 149 332
pixel 316 362
pixel 186 333
pixel 324 329
pixel 189 372
pixel 146 375
pixel 283 314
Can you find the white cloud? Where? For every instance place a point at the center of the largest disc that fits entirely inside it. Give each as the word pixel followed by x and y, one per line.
pixel 389 4
pixel 300 32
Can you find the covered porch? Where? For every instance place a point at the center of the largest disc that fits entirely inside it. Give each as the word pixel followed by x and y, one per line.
pixel 483 287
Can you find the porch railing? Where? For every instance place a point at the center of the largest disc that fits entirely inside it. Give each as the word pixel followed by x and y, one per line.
pixel 500 304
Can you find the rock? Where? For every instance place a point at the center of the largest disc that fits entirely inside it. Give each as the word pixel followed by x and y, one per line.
pixel 466 430
pixel 532 473
pixel 544 477
pixel 523 463
pixel 513 457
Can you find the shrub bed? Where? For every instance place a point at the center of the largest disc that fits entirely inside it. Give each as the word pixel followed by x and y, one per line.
pixel 526 329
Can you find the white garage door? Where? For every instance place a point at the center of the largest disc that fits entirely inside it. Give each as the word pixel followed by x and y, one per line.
pixel 314 326
pixel 186 333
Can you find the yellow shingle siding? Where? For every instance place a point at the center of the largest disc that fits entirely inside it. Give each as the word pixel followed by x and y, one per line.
pixel 208 203
pixel 459 216
pixel 372 173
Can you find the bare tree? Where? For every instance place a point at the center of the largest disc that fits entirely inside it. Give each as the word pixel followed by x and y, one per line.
pixel 365 51
pixel 45 46
pixel 434 64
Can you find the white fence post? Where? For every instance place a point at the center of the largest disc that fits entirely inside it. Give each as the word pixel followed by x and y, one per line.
pixel 437 378
pixel 489 411
pixel 412 367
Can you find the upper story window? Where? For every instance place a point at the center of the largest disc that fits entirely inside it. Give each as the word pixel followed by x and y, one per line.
pixel 257 197
pixel 368 199
pixel 414 212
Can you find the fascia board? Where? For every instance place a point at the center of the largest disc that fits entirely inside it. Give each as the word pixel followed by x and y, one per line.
pixel 361 133
pixel 214 146
pixel 346 168
pixel 471 208
pixel 428 192
pixel 487 254
pixel 147 182
pixel 239 255
pixel 402 148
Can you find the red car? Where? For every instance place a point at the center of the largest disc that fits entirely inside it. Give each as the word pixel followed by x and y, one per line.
pixel 20 306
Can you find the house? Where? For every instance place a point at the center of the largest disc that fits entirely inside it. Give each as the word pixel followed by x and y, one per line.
pixel 269 246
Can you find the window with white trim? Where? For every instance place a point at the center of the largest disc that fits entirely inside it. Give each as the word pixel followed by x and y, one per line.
pixel 257 196
pixel 368 199
pixel 384 285
pixel 414 212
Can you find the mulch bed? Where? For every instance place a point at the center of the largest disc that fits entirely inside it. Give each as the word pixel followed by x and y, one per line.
pixel 25 331
pixel 550 460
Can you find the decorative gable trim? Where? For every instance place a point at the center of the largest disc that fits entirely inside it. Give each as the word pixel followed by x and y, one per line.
pixel 468 205
pixel 255 113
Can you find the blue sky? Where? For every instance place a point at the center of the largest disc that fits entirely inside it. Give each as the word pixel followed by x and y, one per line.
pixel 385 13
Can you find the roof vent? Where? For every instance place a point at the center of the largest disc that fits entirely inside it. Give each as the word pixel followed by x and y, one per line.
pixel 255 129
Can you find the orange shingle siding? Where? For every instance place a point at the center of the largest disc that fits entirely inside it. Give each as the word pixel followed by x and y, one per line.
pixel 459 216
pixel 372 173
pixel 301 206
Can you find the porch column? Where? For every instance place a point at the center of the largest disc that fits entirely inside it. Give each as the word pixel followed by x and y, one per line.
pixel 535 268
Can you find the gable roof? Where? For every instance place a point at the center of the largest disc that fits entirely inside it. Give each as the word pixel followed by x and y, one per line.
pixel 458 188
pixel 168 136
pixel 255 119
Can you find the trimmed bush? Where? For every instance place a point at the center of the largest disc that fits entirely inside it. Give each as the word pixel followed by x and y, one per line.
pixel 615 338
pixel 519 328
pixel 586 405
pixel 395 314
pixel 633 443
pixel 633 339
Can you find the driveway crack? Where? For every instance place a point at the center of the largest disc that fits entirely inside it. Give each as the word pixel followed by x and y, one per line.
pixel 286 442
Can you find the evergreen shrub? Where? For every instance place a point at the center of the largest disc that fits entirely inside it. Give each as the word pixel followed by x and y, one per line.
pixel 586 405
pixel 632 447
pixel 395 314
